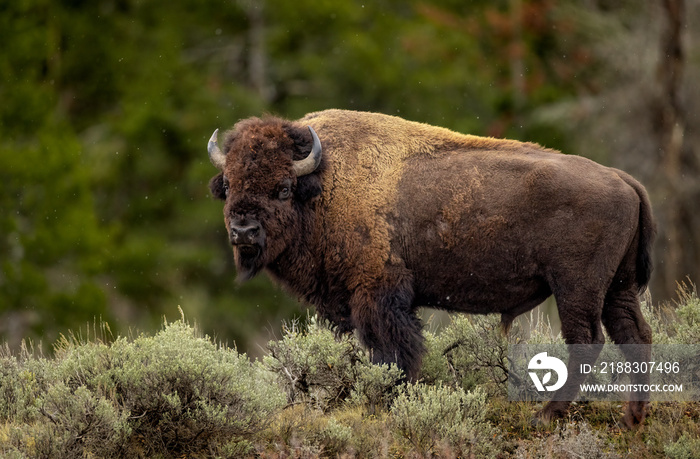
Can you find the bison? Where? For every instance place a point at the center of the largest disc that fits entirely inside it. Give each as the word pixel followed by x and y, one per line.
pixel 375 216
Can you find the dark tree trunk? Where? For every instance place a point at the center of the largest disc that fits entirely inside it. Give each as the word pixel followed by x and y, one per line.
pixel 257 54
pixel 669 124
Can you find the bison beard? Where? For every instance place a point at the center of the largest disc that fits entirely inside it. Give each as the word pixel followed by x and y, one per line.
pixel 386 215
pixel 248 261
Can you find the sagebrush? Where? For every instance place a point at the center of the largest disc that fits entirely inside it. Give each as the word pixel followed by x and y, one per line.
pixel 175 393
pixel 315 394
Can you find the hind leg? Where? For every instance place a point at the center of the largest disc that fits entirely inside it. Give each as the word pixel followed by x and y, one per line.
pixel 580 313
pixel 624 322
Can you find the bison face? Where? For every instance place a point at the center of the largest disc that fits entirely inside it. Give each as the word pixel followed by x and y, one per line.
pixel 267 191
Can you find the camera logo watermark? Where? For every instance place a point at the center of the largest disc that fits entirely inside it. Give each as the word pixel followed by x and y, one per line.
pixel 657 372
pixel 542 361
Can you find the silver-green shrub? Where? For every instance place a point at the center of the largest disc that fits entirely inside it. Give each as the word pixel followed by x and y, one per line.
pixel 472 351
pixel 185 392
pixel 173 394
pixel 570 440
pixel 686 447
pixel 676 322
pixel 314 366
pixel 688 325
pixel 376 386
pixel 433 418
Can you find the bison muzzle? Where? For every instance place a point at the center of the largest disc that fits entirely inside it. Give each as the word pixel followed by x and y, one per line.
pixel 376 216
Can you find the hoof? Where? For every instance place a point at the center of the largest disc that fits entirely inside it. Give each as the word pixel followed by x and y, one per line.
pixel 635 414
pixel 551 412
pixel 539 421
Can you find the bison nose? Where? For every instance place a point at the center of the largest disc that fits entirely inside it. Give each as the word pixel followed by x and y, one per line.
pixel 245 234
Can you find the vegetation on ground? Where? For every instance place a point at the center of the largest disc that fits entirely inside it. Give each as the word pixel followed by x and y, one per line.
pixel 181 394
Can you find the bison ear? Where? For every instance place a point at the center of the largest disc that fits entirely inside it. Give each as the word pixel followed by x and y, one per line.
pixel 308 187
pixel 216 186
pixel 302 139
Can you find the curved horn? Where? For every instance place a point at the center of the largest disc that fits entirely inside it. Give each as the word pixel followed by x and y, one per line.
pixel 310 163
pixel 217 158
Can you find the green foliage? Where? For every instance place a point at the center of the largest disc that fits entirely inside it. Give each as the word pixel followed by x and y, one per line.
pixel 436 416
pixel 686 447
pixel 471 352
pixel 677 322
pixel 375 386
pixel 52 245
pixel 688 328
pixel 314 367
pixel 71 423
pixel 571 440
pixel 335 437
pixel 173 393
pixel 301 430
pixel 178 394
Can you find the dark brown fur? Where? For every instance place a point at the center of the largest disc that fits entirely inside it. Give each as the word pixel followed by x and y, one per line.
pixel 401 215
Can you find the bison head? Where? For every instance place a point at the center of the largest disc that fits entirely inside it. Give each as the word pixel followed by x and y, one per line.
pixel 269 175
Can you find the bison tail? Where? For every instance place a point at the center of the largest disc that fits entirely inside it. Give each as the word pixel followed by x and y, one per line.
pixel 647 233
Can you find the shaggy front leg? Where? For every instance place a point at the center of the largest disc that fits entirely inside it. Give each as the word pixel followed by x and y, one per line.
pixel 389 329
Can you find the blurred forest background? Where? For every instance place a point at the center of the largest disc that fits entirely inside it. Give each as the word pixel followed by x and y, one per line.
pixel 106 107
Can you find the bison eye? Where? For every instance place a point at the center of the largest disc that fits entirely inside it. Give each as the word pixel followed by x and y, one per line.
pixel 226 187
pixel 285 192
